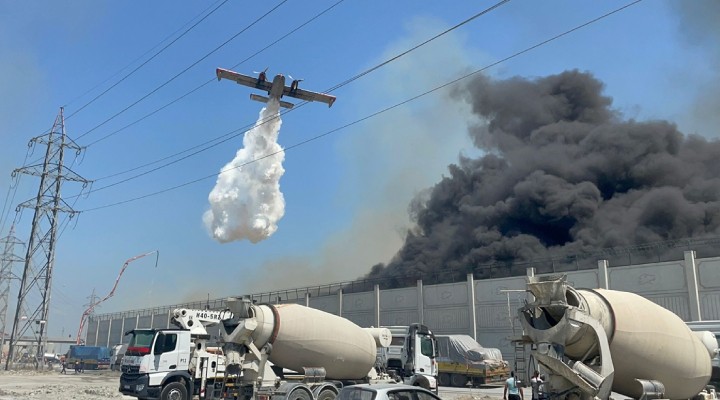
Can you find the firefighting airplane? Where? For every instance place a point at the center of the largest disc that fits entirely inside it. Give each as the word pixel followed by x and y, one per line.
pixel 275 89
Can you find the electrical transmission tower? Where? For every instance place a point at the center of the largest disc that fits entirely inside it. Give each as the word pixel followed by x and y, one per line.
pixel 7 259
pixel 40 256
pixel 89 312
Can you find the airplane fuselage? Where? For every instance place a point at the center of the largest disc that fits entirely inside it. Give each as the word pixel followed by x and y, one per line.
pixel 278 85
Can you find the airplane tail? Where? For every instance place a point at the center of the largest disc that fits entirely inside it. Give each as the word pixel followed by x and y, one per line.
pixel 264 99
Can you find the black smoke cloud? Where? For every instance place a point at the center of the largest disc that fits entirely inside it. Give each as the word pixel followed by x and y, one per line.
pixel 562 174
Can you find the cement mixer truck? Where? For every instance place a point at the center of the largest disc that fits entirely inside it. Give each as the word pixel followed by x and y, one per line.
pixel 278 352
pixel 591 342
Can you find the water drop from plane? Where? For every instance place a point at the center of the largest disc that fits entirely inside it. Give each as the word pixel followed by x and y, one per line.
pixel 246 202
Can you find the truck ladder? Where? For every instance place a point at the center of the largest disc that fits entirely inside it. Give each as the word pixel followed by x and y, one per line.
pixel 520 366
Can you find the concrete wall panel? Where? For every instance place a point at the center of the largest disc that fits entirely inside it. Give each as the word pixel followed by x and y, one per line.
pixel 129 323
pixel 495 316
pixel 91 332
pixel 491 290
pixel 583 279
pixel 144 322
pixel 160 320
pixel 399 299
pixel 398 318
pixel 116 332
pixel 708 273
pixel 677 304
pixel 103 332
pixel 354 302
pixel 362 319
pixel 499 340
pixel 330 304
pixel 648 278
pixel 710 305
pixel 447 294
pixel 448 320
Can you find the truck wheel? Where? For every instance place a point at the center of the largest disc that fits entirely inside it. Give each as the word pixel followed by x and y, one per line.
pixel 444 379
pixel 327 394
pixel 423 382
pixel 174 391
pixel 299 393
pixel 458 380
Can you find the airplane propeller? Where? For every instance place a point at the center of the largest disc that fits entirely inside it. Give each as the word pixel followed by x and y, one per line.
pixel 258 72
pixel 291 78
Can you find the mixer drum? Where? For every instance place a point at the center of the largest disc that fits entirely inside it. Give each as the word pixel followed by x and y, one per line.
pixel 648 341
pixel 307 337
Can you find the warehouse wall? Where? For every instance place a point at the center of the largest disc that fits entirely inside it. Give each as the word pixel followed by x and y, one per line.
pixel 484 309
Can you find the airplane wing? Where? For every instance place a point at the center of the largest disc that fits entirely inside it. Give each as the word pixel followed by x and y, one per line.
pixel 243 79
pixel 309 96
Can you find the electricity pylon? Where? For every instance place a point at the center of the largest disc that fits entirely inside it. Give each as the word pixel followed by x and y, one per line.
pixel 40 256
pixel 7 259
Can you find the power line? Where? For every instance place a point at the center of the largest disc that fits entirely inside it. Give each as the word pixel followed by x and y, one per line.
pixel 184 70
pixel 137 59
pixel 213 79
pixel 382 64
pixel 7 206
pixel 382 111
pixel 145 62
pixel 236 132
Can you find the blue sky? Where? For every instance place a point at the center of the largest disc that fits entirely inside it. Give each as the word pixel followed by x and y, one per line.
pixel 346 193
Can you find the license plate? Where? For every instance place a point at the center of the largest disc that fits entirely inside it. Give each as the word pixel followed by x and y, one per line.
pixel 126 386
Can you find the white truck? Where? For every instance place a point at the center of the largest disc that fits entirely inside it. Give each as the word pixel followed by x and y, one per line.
pixel 117 353
pixel 410 357
pixel 592 342
pixel 278 352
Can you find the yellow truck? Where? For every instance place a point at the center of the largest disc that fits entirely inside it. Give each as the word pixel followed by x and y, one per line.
pixel 462 360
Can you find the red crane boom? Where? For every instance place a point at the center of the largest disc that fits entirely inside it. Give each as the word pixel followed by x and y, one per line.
pixel 112 292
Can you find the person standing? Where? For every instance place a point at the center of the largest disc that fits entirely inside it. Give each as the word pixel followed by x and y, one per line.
pixel 511 389
pixel 535 383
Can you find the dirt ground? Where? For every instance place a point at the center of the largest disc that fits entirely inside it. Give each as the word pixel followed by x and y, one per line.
pixel 30 384
pixel 95 385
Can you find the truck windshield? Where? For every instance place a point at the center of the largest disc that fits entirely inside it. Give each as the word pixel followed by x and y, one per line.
pixel 426 346
pixel 140 343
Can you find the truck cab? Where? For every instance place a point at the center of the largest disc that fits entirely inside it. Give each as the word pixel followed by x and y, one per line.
pixel 153 360
pixel 411 355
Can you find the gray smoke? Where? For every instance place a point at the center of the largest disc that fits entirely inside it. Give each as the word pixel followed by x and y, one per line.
pixel 699 25
pixel 562 174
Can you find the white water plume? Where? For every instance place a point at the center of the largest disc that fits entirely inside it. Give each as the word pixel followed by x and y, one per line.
pixel 246 202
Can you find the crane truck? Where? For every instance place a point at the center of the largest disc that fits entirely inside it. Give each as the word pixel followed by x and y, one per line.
pixel 592 342
pixel 278 352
